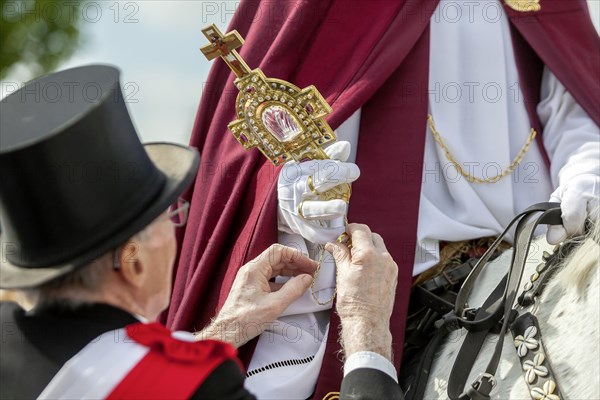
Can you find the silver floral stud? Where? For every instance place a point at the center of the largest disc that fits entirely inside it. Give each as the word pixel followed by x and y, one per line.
pixel 534 368
pixel 527 342
pixel 546 392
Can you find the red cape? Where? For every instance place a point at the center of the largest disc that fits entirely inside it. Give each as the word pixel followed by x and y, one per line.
pixel 351 52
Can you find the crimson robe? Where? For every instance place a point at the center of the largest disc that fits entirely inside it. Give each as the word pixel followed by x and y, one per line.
pixel 369 54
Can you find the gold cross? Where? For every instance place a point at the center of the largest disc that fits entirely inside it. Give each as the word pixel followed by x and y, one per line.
pixel 224 46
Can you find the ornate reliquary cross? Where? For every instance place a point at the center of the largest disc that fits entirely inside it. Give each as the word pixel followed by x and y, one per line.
pixel 283 121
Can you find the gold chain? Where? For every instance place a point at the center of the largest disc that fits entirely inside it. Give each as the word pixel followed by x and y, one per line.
pixel 474 179
pixel 312 287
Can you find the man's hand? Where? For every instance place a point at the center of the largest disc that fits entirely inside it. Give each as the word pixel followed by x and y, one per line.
pixel 578 198
pixel 300 210
pixel 254 302
pixel 366 288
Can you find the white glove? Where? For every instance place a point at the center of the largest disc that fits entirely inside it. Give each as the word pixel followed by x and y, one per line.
pixel 578 199
pixel 322 221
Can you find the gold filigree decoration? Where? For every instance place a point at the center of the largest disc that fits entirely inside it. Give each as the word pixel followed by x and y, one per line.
pixel 283 121
pixel 524 5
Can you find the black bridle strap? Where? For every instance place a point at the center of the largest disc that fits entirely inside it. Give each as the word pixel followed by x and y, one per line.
pixel 492 309
pixel 551 216
pixel 467 286
pixel 429 299
pixel 471 346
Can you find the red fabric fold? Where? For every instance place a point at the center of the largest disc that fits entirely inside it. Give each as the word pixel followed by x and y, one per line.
pixel 172 369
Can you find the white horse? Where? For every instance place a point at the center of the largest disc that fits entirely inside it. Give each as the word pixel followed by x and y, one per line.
pixel 568 313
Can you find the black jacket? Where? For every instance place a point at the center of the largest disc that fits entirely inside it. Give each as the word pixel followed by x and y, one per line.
pixel 35 345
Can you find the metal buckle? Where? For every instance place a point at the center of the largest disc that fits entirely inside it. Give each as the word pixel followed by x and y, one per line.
pixel 446 274
pixel 490 378
pixel 479 391
pixel 470 310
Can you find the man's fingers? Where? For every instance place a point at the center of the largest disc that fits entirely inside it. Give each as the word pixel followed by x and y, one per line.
pixel 340 252
pixel 339 151
pixel 362 239
pixel 556 234
pixel 360 230
pixel 323 210
pixel 332 174
pixel 288 261
pixel 325 174
pixel 378 242
pixel 574 212
pixel 291 291
pixel 275 286
pixel 338 223
pixel 593 205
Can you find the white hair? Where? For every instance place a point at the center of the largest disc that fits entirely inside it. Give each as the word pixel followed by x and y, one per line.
pixel 584 259
pixel 89 278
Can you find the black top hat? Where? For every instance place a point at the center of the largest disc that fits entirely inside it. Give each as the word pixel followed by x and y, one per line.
pixel 75 181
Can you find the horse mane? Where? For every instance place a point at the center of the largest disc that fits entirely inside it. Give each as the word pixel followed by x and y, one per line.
pixel 583 260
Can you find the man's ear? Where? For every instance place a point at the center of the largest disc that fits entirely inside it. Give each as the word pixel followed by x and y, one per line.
pixel 131 267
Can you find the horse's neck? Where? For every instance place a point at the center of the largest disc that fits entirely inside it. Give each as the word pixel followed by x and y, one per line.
pixel 568 314
pixel 569 319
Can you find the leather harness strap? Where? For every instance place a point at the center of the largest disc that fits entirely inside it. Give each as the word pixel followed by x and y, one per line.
pixel 498 305
pixel 472 345
pixel 532 353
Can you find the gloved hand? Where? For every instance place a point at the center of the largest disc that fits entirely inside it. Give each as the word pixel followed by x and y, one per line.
pixel 578 198
pixel 319 221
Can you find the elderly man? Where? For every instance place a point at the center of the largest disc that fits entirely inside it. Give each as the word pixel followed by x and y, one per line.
pixel 86 236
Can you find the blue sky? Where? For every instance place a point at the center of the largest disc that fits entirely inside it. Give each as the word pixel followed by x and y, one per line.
pixel 156 45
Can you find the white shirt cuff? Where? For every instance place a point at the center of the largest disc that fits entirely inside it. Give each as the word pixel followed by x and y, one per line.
pixel 369 359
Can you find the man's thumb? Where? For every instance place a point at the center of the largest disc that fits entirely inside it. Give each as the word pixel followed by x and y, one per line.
pixel 340 252
pixel 339 151
pixel 556 234
pixel 293 289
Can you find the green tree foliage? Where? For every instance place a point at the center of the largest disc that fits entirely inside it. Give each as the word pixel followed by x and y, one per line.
pixel 38 34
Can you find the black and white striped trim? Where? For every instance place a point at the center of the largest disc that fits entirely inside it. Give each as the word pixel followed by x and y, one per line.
pixel 279 364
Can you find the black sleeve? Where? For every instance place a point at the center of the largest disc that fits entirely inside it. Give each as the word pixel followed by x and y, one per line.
pixel 369 384
pixel 225 383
